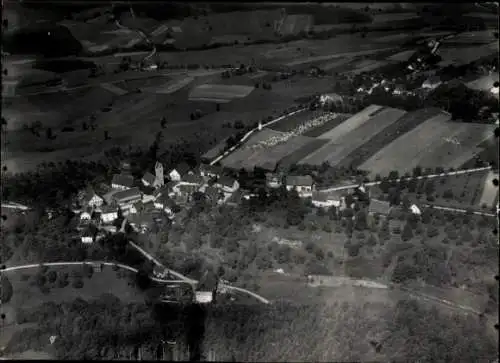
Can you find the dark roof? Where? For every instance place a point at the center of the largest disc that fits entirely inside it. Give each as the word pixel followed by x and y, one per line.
pixel 226 181
pixel 208 282
pixel 186 188
pixel 127 194
pixel 299 180
pixel 183 168
pixel 149 178
pixel 89 194
pixel 214 169
pixel 379 206
pixel 108 209
pixel 147 189
pixel 193 178
pixel 123 179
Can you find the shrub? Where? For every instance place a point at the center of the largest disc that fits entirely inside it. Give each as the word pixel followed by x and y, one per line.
pixel 88 271
pixel 327 228
pixel 6 291
pixel 52 276
pixel 77 283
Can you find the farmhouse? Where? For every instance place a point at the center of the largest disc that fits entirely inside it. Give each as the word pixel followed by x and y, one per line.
pixel 126 198
pixel 273 180
pixel 210 171
pixel 91 199
pixel 122 181
pixel 108 214
pixel 88 235
pixel 227 184
pixel 300 183
pixel 207 288
pixel 379 207
pixel 148 179
pixel 179 172
pixel 326 200
pixel 86 214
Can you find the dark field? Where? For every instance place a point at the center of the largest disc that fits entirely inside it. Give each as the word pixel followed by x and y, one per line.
pixel 320 130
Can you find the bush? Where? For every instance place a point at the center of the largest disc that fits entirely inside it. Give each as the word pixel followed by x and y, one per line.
pixel 77 283
pixel 7 291
pixel 52 276
pixel 88 271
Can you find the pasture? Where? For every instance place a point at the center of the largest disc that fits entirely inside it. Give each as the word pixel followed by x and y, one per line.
pixel 464 55
pixel 404 153
pixel 388 17
pixel 335 151
pixel 403 125
pixel 484 83
pixel 457 146
pixel 219 93
pixel 403 56
pixel 472 37
pixel 370 66
pixel 489 194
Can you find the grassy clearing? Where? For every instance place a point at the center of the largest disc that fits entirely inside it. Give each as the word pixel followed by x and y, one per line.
pixel 403 153
pixel 489 194
pixel 335 151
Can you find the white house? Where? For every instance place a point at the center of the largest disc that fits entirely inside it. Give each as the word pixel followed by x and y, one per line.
pixel 86 214
pixel 227 184
pixel 273 180
pixel 326 200
pixel 108 214
pixel 203 297
pixel 210 171
pixel 415 210
pixel 431 82
pixel 122 181
pixel 303 184
pixel 179 172
pixel 126 198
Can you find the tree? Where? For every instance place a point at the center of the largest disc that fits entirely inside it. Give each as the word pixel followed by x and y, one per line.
pixel 6 290
pixel 106 135
pixel 77 283
pixel 52 276
pixel 407 233
pixel 163 122
pixel 49 133
pixel 217 107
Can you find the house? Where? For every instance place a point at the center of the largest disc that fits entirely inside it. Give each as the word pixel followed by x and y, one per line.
pixel 108 214
pixel 303 184
pixel 179 172
pixel 273 180
pixel 86 214
pixel 206 288
pixel 148 193
pixel 399 89
pixel 330 98
pixel 227 184
pixel 210 171
pixel 165 203
pixel 90 198
pixel 431 82
pixel 379 207
pixel 88 235
pixel 148 179
pixel 185 190
pixel 126 198
pixel 326 200
pixel 415 210
pixel 192 179
pixel 142 222
pixel 122 181
pixel 110 228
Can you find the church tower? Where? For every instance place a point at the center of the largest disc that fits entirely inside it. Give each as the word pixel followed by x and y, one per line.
pixel 159 179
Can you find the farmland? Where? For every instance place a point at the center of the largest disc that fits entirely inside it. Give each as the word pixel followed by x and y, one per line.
pixel 463 55
pixel 320 130
pixel 484 83
pixel 292 122
pixel 406 123
pixel 404 153
pixel 297 155
pixel 335 151
pixel 371 66
pixel 351 123
pixel 403 56
pixel 463 139
pixel 489 194
pixel 219 93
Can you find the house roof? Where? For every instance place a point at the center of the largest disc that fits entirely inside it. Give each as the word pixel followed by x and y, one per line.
pixel 161 191
pixel 89 232
pixel 149 178
pixel 323 197
pixel 192 178
pixel 182 168
pixel 226 181
pixel 379 206
pixel 299 180
pixel 208 282
pixel 107 209
pixel 214 169
pixel 127 194
pixel 88 194
pixel 186 188
pixel 123 179
pixel 433 80
pixel 147 189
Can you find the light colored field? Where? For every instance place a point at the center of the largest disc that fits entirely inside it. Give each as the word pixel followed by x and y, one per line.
pixel 112 88
pixel 335 151
pixel 457 145
pixel 484 83
pixel 383 18
pixel 350 124
pixel 401 56
pixel 490 191
pixel 335 55
pixel 220 92
pixel 404 153
pixel 171 86
pixel 369 67
pixel 480 37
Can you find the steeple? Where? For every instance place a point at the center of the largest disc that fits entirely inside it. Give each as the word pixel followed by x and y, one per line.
pixel 159 178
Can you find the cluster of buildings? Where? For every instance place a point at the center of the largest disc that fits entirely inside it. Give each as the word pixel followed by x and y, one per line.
pixel 148 200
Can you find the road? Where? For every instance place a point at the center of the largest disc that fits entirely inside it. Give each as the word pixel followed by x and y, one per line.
pixel 249 133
